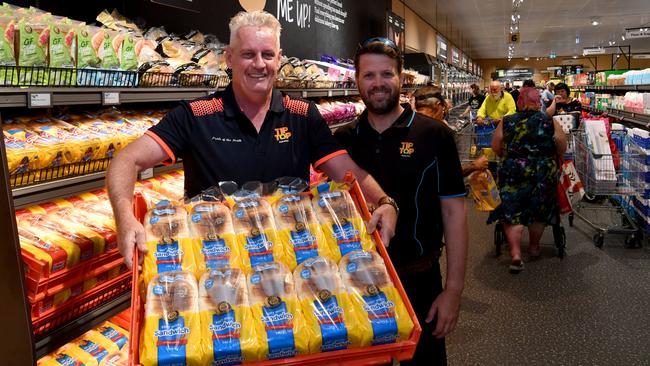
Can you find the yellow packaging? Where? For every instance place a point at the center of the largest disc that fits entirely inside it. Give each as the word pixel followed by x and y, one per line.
pixel 484 190
pixel 227 327
pixel 331 320
pixel 276 311
pixel 80 230
pixel 114 334
pixel 214 240
pixel 300 234
pixel 119 358
pixel 343 227
pixel 39 234
pixel 172 326
pixel 373 294
pixel 168 241
pixel 63 356
pixel 95 346
pixel 256 234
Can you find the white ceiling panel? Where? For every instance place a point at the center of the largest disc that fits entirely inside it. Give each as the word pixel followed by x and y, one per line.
pixel 481 26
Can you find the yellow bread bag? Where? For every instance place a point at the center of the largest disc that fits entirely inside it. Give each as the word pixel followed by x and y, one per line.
pixel 255 232
pixel 69 354
pixel 58 234
pixel 172 326
pixel 332 323
pixel 55 256
pixel 168 241
pixel 300 234
pixel 119 358
pixel 96 346
pixel 227 328
pixel 343 227
pixel 78 228
pixel 277 315
pixel 115 334
pixel 39 235
pixel 213 236
pixel 373 294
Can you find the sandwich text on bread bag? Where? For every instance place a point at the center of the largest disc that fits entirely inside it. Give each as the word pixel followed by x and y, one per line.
pixel 255 231
pixel 213 236
pixel 298 229
pixel 331 320
pixel 276 312
pixel 228 332
pixel 373 294
pixel 172 326
pixel 343 226
pixel 168 241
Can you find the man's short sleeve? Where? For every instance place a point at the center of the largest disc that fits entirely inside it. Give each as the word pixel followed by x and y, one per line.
pixel 450 173
pixel 173 132
pixel 322 144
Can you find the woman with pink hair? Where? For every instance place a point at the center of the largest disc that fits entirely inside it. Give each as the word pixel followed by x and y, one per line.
pixel 528 143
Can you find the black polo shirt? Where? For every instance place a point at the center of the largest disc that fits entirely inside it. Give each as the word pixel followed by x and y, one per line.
pixel 217 142
pixel 416 162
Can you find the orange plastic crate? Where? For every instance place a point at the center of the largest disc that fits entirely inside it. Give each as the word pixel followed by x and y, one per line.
pixel 373 355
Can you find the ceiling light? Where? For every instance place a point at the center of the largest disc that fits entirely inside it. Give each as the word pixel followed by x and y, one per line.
pixel 595 21
pixel 574 56
pixel 526 58
pixel 577 39
pixel 622 38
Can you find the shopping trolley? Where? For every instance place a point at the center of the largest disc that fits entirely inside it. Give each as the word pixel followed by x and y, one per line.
pixel 474 141
pixel 614 178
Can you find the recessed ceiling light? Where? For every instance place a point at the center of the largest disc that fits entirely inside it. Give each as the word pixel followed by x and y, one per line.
pixel 526 58
pixel 574 56
pixel 622 38
pixel 595 21
pixel 577 39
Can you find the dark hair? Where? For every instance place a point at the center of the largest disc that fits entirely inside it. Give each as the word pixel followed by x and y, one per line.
pixel 474 86
pixel 380 46
pixel 563 86
pixel 529 83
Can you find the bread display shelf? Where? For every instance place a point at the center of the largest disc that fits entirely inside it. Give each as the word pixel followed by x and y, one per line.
pixel 373 355
pixel 48 191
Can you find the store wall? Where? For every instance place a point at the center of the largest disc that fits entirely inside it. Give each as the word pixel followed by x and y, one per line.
pixel 604 63
pixel 420 36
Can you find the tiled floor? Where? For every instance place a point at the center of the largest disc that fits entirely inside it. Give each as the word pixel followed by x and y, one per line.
pixel 592 308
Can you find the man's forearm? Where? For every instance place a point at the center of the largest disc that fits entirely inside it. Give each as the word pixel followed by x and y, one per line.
pixel 456 237
pixel 120 181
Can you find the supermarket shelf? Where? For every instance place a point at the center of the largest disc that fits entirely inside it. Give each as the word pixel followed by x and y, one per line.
pixel 43 192
pixel 336 126
pixel 621 88
pixel 311 93
pixel 20 97
pixel 635 118
pixel 80 325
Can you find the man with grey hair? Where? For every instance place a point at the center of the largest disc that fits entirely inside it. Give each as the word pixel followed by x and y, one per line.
pixel 498 104
pixel 247 132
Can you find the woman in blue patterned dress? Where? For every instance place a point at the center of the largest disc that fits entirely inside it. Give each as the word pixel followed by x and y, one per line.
pixel 528 143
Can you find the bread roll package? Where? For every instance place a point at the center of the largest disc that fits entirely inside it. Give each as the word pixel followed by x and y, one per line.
pixel 69 354
pixel 39 234
pixel 228 333
pixel 277 314
pixel 172 326
pixel 95 346
pixel 213 236
pixel 300 234
pixel 119 358
pixel 168 241
pixel 331 320
pixel 373 294
pixel 255 232
pixel 343 227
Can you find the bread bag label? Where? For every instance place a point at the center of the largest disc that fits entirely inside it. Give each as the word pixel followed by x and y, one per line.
pixel 225 338
pixel 332 327
pixel 278 323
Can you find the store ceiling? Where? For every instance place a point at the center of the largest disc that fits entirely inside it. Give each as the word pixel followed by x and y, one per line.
pixel 545 25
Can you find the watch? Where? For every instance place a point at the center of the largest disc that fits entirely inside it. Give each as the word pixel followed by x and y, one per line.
pixel 387 200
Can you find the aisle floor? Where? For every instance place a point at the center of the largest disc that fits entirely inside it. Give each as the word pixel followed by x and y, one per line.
pixel 592 308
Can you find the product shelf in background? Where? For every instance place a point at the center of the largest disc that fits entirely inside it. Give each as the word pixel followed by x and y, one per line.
pixel 637 87
pixel 639 119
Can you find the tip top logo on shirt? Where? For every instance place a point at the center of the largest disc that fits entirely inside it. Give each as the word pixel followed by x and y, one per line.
pixel 407 149
pixel 282 134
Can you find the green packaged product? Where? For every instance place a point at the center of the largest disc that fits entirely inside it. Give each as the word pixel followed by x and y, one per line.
pixel 61 56
pixel 86 53
pixel 32 53
pixel 128 58
pixel 8 71
pixel 107 53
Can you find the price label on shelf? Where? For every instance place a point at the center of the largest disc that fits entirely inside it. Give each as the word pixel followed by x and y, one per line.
pixel 39 100
pixel 146 174
pixel 110 98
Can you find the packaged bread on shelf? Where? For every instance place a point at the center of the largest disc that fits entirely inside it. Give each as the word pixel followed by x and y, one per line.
pixel 213 236
pixel 228 332
pixel 95 346
pixel 22 156
pixel 115 334
pixel 68 354
pixel 331 320
pixel 256 234
pixel 277 314
pixel 55 256
pixel 299 231
pixel 87 247
pixel 39 234
pixel 172 326
pixel 168 241
pixel 373 294
pixel 343 226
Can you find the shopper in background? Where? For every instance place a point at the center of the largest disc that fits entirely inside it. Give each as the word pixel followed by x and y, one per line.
pixel 529 83
pixel 528 143
pixel 248 132
pixel 547 95
pixel 415 159
pixel 430 102
pixel 475 101
pixel 497 105
pixel 563 102
pixel 515 93
pixel 507 87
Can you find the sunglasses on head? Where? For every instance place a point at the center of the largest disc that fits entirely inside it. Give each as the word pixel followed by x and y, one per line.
pixel 383 40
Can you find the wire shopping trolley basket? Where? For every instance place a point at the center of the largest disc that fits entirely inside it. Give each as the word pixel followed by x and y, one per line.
pixel 610 179
pixel 474 141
